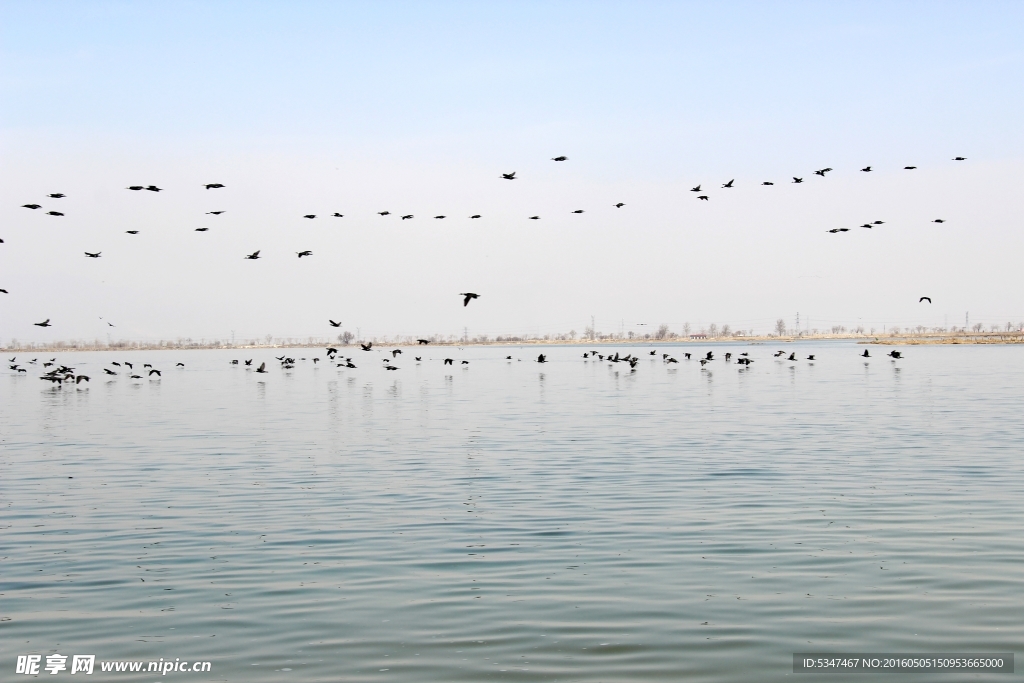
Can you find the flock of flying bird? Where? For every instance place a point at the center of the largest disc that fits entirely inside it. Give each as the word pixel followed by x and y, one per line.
pixel 468 296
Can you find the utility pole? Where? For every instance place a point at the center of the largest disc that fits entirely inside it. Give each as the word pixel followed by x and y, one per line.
pixel 465 335
pixel 798 322
pixel 967 321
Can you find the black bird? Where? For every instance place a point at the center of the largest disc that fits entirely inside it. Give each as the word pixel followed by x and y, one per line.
pixel 822 171
pixel 154 188
pixel 895 354
pixel 439 217
pixel 578 211
pixel 810 357
pixel 844 230
pixel 534 218
pixel 304 253
pixel 686 356
pixel 154 372
pixel 559 158
pixel 45 323
pixel 619 205
pixel 469 297
pixel 333 324
pixel 179 365
pixel 31 206
pixel 109 371
pixel 465 362
pixel 337 215
pixel 703 196
pixel 509 176
pixel 310 215
pixel 56 195
pixel 366 346
pixel 652 352
pixel 201 229
pixel 792 356
pixel 695 189
pixel 925 298
pixel 115 363
pixel 212 186
pixel 939 220
pixel 767 182
pixel 729 184
pixel 419 358
pixel 135 187
pixel 909 168
pixel 146 365
pixel 727 357
pixel 879 222
pixel 394 354
pixel 448 361
pixel 834 230
pixel 132 232
pixel 865 354
pixel 129 365
pixel 780 353
pixel 422 341
pixel 390 367
pixel 136 376
pixel 476 215
pixel 710 356
pixel 214 213
pixel 407 216
pixel 110 324
pixel 249 362
pixel 797 180
pixel 254 255
pixel 868 226
pixel 384 213
pixel 3 291
pixel 262 368
pixel 542 358
pixel 54 213
pixel 673 360
pixel 506 358
pixel 959 159
pixel 866 169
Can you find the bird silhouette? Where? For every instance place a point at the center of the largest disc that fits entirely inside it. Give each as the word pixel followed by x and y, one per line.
pixel 509 176
pixel 93 254
pixel 542 358
pixel 810 357
pixel 423 341
pixel 45 323
pixel 109 371
pixel 407 216
pixel 729 184
pixel 394 353
pixel 54 213
pixel 559 158
pixel 925 298
pixel 248 362
pixel 895 354
pixel 868 226
pixel 214 213
pixel 304 253
pixel 212 186
pixel 767 182
pixel 465 362
pixel 939 220
pixel 959 158
pixel 154 372
pixel 337 215
pixel 3 291
pixel 822 171
pixel 135 187
pixel 448 361
pixel 310 216
pixel 383 213
pixel 254 255
pixel 865 354
pixel 79 378
pixel 866 169
pixel 476 215
pixel 619 205
pixel 179 365
pixel 534 218
pixel 703 196
pixel 879 222
pixel 469 297
pixel 909 168
pixel 56 195
pixel 695 189
pixel 419 358
pixel 439 217
pixel 31 206
pixel 132 232
pixel 154 188
pixel 578 211
pixel 390 367
pixel 797 180
pixel 333 324
pixel 792 356
pixel 262 368
pixel 366 346
pixel 201 229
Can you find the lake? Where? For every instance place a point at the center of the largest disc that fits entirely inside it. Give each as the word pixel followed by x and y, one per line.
pixel 514 521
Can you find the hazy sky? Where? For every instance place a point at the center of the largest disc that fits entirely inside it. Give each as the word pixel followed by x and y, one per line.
pixel 417 108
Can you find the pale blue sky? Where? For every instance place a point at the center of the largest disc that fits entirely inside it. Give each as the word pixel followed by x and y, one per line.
pixel 417 107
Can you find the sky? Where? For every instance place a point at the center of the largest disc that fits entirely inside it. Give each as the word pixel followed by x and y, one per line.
pixel 419 107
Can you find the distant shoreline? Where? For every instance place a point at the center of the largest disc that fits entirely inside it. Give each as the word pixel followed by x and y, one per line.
pixel 976 338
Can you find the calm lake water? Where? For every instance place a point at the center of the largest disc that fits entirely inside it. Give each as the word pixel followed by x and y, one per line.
pixel 511 521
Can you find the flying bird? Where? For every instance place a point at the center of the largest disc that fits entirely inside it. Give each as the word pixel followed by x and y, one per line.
pixel 423 341
pixel 476 215
pixel 93 255
pixel 534 218
pixel 729 184
pixel 822 171
pixel 79 378
pixel 384 213
pixel 214 213
pixel 767 182
pixel 959 158
pixel 440 216
pixel 939 220
pixel 154 372
pixel 135 187
pixel 132 232
pixel 866 169
pixel 925 298
pixel 56 195
pixel 578 211
pixel 304 253
pixel 254 255
pixel 407 216
pixel 45 323
pixel 334 324
pixel 54 213
pixel 619 205
pixel 469 297
pixel 154 188
pixel 542 358
pixel 865 354
pixel 262 368
pixel 201 229
pixel 394 354
pixel 797 180
pixel 695 189
pixel 703 196
pixel 909 168
pixel 366 346
pixel 509 176
pixel 559 158
pixel 448 361
pixel 212 186
pixel 31 206
pixel 310 215
pixel 879 223
pixel 109 371
pixel 3 291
